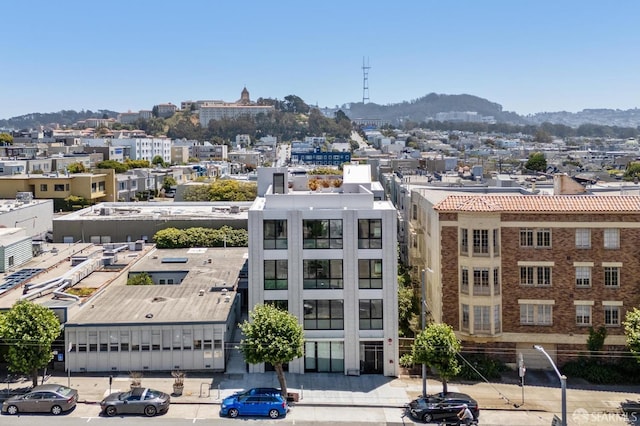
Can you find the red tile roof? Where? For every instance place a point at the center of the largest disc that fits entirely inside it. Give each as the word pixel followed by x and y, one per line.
pixel 540 203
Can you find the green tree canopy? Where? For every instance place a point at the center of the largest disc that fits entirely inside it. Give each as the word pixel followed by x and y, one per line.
pixel 6 139
pixel 158 160
pixel 536 162
pixel 222 190
pixel 140 279
pixel 30 329
pixel 112 164
pixel 632 331
pixel 137 164
pixel 437 346
pixel 76 168
pixel 168 182
pixel 632 172
pixel 274 336
pixel 225 236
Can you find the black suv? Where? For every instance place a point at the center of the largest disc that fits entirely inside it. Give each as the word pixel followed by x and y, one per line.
pixel 442 407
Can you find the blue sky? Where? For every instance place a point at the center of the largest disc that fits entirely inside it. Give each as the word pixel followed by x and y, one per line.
pixel 527 55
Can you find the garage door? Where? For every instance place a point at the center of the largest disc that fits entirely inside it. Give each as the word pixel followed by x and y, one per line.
pixel 535 360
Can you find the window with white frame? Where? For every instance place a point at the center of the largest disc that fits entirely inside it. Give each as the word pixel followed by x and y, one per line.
pixel 611 315
pixel 611 276
pixel 465 317
pixel 611 239
pixel 481 282
pixel 464 280
pixel 583 276
pixel 536 314
pixel 480 241
pixel 536 238
pixel 583 314
pixel 496 242
pixel 583 238
pixel 538 276
pixel 464 241
pixel 496 281
pixel 497 323
pixel 481 319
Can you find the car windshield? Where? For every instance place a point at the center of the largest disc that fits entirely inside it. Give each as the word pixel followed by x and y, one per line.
pixel 124 396
pixel 152 394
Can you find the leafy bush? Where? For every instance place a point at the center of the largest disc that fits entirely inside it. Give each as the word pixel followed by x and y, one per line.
pixel 140 279
pixel 406 361
pixel 201 237
pixel 624 371
pixel 490 368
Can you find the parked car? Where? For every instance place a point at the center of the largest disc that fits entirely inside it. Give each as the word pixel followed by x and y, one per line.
pixel 442 407
pixel 258 391
pixel 273 406
pixel 51 398
pixel 136 401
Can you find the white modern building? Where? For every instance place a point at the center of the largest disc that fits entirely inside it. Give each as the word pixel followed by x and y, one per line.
pixel 15 248
pixel 139 148
pixel 329 258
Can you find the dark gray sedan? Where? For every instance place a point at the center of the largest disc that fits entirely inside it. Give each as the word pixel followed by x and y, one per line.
pixel 136 401
pixel 52 398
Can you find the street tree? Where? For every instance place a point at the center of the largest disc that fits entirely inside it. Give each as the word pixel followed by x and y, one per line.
pixel 6 139
pixel 30 330
pixel 77 167
pixel 274 336
pixel 536 162
pixel 158 161
pixel 168 183
pixel 632 331
pixel 437 346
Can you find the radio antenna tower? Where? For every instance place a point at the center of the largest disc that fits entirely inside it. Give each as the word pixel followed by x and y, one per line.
pixel 365 80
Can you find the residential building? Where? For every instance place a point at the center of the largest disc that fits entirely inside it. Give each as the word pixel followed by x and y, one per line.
pixel 510 271
pixel 15 248
pixel 322 158
pixel 128 117
pixel 138 148
pixel 321 256
pixel 34 216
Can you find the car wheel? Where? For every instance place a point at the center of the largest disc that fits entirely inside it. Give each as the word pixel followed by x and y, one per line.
pixel 427 418
pixel 274 414
pixel 110 411
pixel 233 413
pixel 55 410
pixel 150 411
pixel 12 409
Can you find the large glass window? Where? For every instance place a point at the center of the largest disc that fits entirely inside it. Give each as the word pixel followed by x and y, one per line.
pixel 583 238
pixel 539 276
pixel 283 305
pixel 465 317
pixel 583 314
pixel 540 238
pixel 611 315
pixel 481 282
pixel 464 280
pixel 324 356
pixel 481 319
pixel 611 276
pixel 322 274
pixel 531 314
pixel 370 314
pixel 480 241
pixel 322 234
pixel 276 274
pixel 369 273
pixel 464 241
pixel 275 234
pixel 612 238
pixel 323 315
pixel 583 276
pixel 370 233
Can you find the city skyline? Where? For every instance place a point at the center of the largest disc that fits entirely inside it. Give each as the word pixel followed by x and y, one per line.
pixel 527 56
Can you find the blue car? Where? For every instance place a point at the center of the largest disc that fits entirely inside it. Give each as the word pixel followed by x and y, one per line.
pixel 273 406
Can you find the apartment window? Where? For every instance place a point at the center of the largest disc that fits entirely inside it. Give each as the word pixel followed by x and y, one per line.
pixel 322 274
pixel 532 314
pixel 539 276
pixel 536 238
pixel 611 315
pixel 414 211
pixel 497 323
pixel 583 276
pixel 11 260
pixel 480 241
pixel 583 314
pixel 370 233
pixel 113 342
pixel 58 187
pixel 611 276
pixel 371 314
pixel 481 281
pixel 66 187
pixel 103 342
pixel 370 273
pixel 465 317
pixel 612 239
pixel 496 242
pixel 101 186
pixel 44 187
pixel 283 305
pixel 464 241
pixel 481 319
pixel 322 234
pixel 583 238
pixel 464 280
pixel 275 234
pixel 496 281
pixel 276 273
pixel 146 340
pixel 94 187
pixel 124 341
pixel 93 341
pixel 323 315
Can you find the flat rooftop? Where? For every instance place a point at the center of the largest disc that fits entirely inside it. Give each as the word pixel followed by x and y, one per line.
pixel 151 210
pixel 199 298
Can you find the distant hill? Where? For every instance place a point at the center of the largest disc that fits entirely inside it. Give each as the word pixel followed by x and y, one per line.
pixel 425 108
pixel 62 118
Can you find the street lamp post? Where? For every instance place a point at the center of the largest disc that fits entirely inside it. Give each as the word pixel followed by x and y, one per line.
pixel 423 324
pixel 563 383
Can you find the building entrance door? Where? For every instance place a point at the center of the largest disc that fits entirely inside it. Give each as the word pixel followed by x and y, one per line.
pixel 371 357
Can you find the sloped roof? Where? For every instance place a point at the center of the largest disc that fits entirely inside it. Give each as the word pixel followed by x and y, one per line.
pixel 540 203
